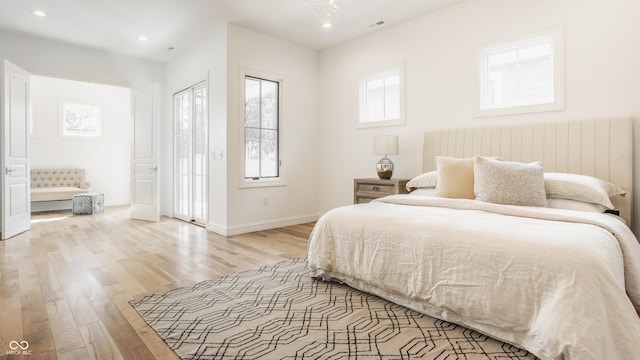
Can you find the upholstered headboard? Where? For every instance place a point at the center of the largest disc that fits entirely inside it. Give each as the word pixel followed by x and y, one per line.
pixel 602 148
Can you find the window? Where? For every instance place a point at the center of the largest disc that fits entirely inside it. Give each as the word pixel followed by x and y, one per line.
pixel 521 75
pixel 80 120
pixel 261 128
pixel 382 98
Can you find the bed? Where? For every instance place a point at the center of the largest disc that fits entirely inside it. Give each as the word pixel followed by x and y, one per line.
pixel 558 282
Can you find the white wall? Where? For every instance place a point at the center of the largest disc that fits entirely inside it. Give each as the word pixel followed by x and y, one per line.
pixel 602 53
pixel 64 61
pixel 106 158
pixel 49 58
pixel 206 60
pixel 221 56
pixel 296 202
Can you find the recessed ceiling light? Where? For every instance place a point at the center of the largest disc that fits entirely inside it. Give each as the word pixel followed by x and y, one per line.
pixel 39 13
pixel 143 38
pixel 327 25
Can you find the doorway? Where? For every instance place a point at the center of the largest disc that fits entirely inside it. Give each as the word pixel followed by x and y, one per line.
pixel 190 154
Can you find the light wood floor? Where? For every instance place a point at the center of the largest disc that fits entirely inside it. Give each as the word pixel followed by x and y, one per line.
pixel 65 285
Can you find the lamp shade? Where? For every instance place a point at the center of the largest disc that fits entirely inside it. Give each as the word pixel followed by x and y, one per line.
pixel 385 145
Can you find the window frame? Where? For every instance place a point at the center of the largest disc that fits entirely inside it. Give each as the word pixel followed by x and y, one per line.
pixel 279 180
pixel 362 100
pixel 557 48
pixel 61 116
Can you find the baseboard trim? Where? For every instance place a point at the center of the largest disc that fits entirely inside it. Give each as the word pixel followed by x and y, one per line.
pixel 261 225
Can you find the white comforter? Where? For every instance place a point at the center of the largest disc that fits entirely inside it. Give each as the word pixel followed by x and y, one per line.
pixel 557 283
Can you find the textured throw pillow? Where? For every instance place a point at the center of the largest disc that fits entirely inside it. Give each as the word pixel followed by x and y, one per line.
pixel 455 177
pixel 509 183
pixel 426 180
pixel 580 188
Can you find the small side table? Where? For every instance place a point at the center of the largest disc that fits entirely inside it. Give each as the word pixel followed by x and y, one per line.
pixel 88 204
pixel 365 190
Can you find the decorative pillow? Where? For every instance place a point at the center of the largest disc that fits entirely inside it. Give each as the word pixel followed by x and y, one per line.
pixel 580 188
pixel 424 191
pixel 575 205
pixel 455 177
pixel 509 183
pixel 426 180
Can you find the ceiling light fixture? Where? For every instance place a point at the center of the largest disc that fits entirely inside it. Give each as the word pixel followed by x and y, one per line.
pixel 143 38
pixel 324 7
pixel 39 13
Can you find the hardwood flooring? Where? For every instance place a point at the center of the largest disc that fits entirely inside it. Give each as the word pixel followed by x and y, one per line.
pixel 65 285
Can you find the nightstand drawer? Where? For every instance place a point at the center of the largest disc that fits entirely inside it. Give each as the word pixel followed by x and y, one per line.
pixel 365 190
pixel 376 188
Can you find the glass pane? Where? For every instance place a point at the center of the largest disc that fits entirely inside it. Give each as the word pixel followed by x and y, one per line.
pixel 392 97
pixel 520 75
pixel 374 99
pixel 269 164
pixel 252 103
pixel 80 120
pixel 251 153
pixel 200 132
pixel 269 104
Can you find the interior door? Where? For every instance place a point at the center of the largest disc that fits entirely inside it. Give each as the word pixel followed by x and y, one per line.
pixel 16 195
pixel 145 153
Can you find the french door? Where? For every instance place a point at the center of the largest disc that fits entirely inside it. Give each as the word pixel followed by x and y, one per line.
pixel 190 153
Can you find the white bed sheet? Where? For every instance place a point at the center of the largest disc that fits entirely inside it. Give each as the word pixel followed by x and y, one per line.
pixel 557 283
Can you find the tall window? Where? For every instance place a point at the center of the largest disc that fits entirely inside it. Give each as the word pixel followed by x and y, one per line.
pixel 261 127
pixel 382 97
pixel 521 75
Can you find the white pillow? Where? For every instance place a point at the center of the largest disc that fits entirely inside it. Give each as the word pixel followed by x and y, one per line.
pixel 509 183
pixel 426 180
pixel 575 205
pixel 424 191
pixel 580 188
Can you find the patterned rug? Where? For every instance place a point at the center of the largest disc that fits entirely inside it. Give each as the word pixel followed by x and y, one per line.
pixel 280 312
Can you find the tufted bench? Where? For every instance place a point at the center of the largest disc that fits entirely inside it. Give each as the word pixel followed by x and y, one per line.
pixel 57 184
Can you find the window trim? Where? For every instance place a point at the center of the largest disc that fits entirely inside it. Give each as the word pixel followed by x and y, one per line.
pixel 61 123
pixel 557 37
pixel 280 180
pixel 400 68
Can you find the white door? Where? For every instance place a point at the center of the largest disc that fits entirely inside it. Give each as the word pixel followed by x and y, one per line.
pixel 16 195
pixel 190 154
pixel 144 172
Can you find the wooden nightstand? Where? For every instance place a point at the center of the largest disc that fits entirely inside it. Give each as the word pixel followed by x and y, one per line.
pixel 365 190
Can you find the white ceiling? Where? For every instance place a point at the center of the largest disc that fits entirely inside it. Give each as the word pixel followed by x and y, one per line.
pixel 114 25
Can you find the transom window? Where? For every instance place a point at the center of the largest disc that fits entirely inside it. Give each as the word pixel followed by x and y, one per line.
pixel 521 75
pixel 261 127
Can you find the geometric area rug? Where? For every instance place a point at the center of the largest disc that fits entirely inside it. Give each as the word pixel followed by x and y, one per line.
pixel 280 312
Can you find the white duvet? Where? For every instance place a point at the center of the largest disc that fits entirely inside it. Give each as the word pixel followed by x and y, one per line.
pixel 557 283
